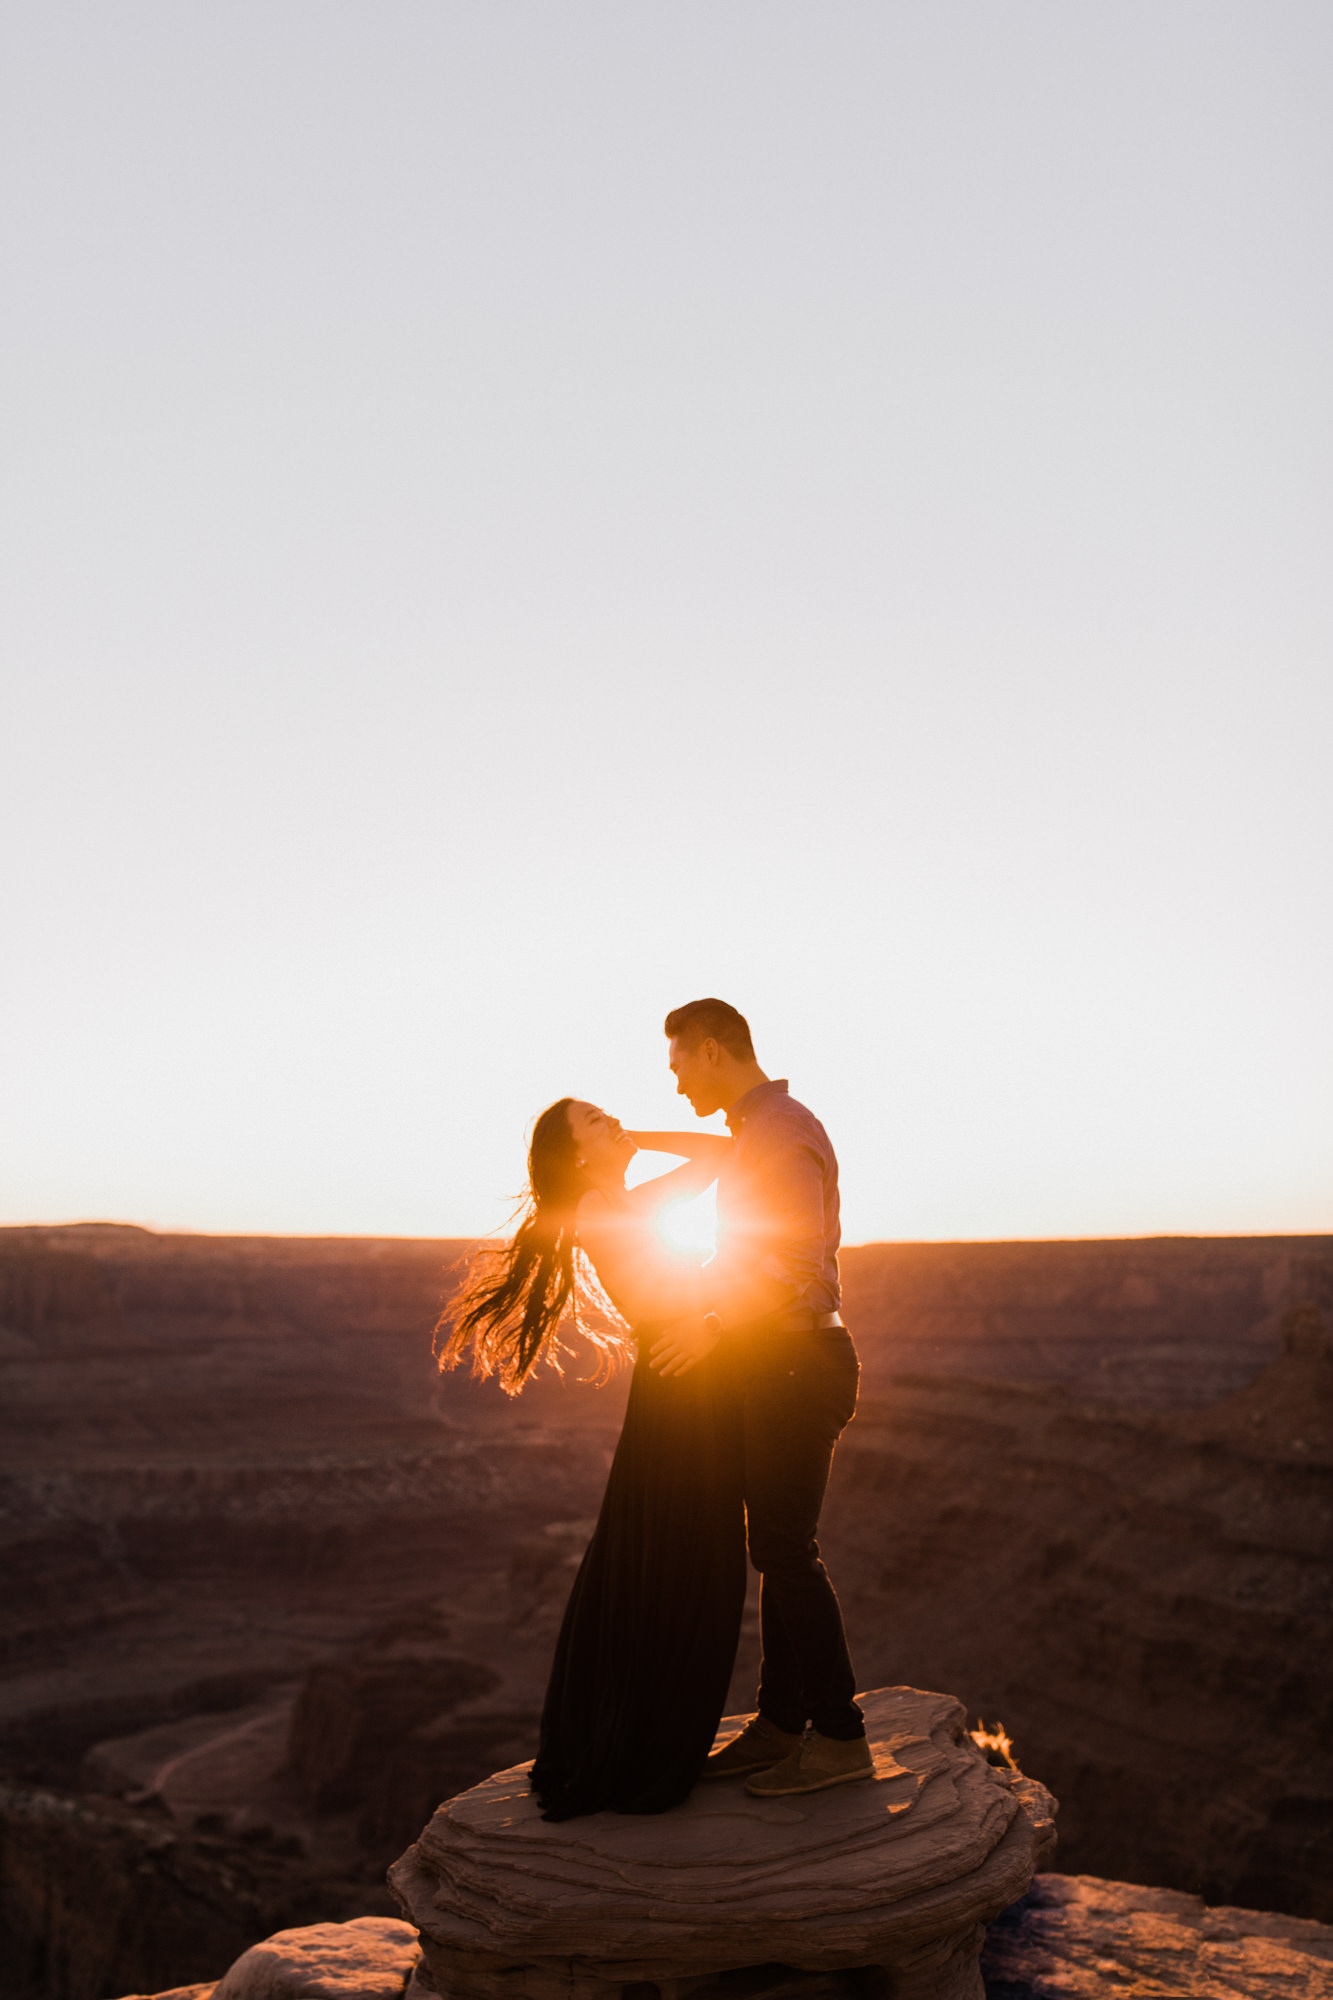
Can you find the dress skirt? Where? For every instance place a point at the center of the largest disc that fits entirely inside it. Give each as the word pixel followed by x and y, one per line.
pixel 648 1641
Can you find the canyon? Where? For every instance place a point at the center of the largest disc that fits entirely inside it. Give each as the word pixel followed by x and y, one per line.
pixel 270 1587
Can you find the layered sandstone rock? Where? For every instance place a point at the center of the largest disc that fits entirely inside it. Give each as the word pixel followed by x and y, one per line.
pixel 1070 1938
pixel 1074 1937
pixel 370 1958
pixel 902 1873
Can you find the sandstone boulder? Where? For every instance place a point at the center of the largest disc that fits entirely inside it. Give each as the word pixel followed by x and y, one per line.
pixel 202 1990
pixel 1079 1938
pixel 902 1873
pixel 371 1958
pixel 1069 1938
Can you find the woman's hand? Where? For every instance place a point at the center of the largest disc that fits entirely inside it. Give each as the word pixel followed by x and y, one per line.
pixel 682 1345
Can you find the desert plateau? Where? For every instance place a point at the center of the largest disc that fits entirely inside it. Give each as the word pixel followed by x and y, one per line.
pixel 273 1588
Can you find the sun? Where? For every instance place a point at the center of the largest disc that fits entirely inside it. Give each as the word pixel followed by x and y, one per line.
pixel 691 1224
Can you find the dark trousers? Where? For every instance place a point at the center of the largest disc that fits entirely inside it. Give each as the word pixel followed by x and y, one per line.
pixel 798 1391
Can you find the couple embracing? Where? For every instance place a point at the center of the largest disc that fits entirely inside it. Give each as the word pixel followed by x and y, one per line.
pixel 744 1376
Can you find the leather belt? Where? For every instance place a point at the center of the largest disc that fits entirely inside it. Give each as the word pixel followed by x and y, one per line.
pixel 801 1319
pixel 792 1319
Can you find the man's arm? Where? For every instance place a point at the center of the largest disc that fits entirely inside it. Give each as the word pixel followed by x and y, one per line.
pixel 685 1145
pixel 770 1265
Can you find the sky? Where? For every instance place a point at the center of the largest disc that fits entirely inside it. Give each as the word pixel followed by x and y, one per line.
pixel 517 516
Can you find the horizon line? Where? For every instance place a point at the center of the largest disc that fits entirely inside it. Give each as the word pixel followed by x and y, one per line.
pixel 869 1243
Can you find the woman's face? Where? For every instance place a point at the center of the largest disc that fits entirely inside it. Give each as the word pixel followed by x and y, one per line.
pixel 604 1147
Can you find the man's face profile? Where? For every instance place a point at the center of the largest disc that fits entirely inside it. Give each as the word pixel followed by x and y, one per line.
pixel 696 1073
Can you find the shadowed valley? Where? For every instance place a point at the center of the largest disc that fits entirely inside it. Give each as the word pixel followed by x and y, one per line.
pixel 271 1588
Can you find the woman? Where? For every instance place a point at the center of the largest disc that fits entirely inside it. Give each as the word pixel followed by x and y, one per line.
pixel 649 1636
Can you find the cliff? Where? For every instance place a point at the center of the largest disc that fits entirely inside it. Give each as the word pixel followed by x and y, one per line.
pixel 248 1539
pixel 1145 1598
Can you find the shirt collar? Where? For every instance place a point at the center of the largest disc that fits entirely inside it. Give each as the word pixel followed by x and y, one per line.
pixel 741 1109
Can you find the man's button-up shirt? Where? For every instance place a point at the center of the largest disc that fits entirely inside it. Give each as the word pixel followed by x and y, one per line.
pixel 777 1203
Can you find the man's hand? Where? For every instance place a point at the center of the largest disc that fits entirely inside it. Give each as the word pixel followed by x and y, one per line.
pixel 682 1345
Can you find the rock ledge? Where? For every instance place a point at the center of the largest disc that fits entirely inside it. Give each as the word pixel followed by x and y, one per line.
pixel 901 1874
pixel 1075 1937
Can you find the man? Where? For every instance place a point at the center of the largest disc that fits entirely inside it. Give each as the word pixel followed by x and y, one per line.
pixel 773 1296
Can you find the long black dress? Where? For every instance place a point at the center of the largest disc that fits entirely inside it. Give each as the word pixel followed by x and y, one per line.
pixel 648 1642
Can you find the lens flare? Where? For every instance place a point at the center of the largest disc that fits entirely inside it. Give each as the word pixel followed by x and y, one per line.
pixel 691 1224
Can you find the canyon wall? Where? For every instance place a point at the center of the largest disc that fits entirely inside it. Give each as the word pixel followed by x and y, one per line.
pixel 269 1587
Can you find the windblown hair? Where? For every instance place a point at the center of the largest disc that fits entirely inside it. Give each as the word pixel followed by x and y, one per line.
pixel 516 1294
pixel 698 1019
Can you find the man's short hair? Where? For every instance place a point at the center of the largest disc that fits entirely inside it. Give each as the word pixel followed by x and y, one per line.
pixel 698 1019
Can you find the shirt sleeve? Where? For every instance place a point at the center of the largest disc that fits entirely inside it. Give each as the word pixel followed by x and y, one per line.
pixel 784 1241
pixel 796 1188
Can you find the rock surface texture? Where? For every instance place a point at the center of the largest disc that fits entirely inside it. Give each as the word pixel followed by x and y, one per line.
pixel 901 1873
pixel 371 1958
pixel 1074 1937
pixel 1070 1938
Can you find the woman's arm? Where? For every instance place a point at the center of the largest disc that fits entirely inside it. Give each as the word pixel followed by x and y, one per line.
pixel 677 1185
pixel 687 1145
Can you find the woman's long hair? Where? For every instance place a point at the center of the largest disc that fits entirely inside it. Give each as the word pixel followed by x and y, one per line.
pixel 516 1293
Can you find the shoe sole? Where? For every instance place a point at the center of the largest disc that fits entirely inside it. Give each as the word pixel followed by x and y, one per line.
pixel 741 1770
pixel 820 1785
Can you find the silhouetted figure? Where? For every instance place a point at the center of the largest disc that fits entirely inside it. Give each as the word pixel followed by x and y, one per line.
pixel 744 1378
pixel 773 1295
pixel 649 1636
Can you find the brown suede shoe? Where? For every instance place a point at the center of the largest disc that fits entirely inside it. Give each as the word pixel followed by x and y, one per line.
pixel 816 1763
pixel 760 1744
